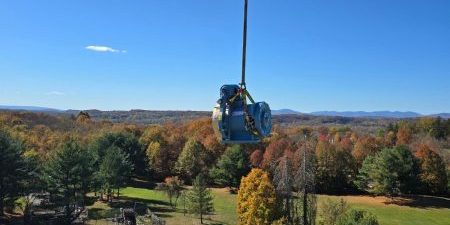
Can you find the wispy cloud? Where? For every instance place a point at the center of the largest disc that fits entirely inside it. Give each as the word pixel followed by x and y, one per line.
pixel 58 93
pixel 100 48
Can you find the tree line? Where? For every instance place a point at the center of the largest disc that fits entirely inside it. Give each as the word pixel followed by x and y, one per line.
pixel 69 158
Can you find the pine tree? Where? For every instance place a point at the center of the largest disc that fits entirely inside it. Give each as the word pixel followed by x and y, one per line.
pixel 115 169
pixel 232 165
pixel 390 172
pixel 12 167
pixel 63 173
pixel 199 199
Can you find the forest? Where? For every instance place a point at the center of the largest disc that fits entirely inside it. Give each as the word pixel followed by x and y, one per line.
pixel 68 163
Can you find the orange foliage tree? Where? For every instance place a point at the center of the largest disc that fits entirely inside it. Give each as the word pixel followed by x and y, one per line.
pixel 366 145
pixel 432 171
pixel 275 150
pixel 257 201
pixel 404 133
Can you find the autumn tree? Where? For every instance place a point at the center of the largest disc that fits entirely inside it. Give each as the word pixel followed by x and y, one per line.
pixel 404 133
pixel 199 198
pixel 158 158
pixel 335 169
pixel 434 127
pixel 192 159
pixel 390 172
pixel 230 168
pixel 83 117
pixel 275 150
pixel 256 158
pixel 202 131
pixel 12 167
pixel 257 203
pixel 163 145
pixel 364 146
pixel 432 171
pixel 173 187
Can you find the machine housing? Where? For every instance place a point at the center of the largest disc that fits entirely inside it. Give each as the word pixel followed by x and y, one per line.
pixel 229 120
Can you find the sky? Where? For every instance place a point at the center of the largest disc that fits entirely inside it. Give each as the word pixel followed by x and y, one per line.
pixel 308 56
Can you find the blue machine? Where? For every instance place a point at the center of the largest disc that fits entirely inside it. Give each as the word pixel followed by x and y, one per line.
pixel 235 121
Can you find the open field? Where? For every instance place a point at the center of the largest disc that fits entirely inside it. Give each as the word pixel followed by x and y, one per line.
pixel 420 211
pixel 417 211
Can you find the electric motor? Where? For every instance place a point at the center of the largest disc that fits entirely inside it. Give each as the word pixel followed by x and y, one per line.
pixel 234 121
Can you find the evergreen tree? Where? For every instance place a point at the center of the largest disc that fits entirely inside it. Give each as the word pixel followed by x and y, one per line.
pixel 12 168
pixel 230 168
pixel 199 199
pixel 115 170
pixel 390 172
pixel 127 143
pixel 30 183
pixel 63 173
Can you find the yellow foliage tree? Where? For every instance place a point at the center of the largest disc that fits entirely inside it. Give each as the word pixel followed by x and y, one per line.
pixel 256 199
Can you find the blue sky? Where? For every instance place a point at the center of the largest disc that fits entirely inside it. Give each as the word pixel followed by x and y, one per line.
pixel 175 54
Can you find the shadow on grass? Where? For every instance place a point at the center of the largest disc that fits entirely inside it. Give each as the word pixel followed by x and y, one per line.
pixel 141 183
pixel 145 201
pixel 421 201
pixel 158 207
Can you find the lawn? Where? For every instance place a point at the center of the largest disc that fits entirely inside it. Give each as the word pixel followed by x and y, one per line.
pixel 420 211
pixel 224 204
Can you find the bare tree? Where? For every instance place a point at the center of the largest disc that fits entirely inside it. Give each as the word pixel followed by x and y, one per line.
pixel 305 206
pixel 284 181
pixel 295 184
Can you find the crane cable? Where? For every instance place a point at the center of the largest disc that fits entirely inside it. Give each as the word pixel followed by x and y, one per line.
pixel 244 46
pixel 242 92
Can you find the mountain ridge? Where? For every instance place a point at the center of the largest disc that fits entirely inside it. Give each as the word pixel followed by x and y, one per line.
pixel 278 112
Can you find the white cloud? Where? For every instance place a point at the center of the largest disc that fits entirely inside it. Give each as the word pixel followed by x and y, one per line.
pixel 58 93
pixel 99 48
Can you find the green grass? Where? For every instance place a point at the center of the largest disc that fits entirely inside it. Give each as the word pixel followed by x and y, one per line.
pixel 224 204
pixel 432 211
pixel 392 214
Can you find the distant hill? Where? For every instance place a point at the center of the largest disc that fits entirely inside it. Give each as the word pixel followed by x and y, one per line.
pixel 442 115
pixel 158 116
pixel 28 108
pixel 379 114
pixel 285 112
pixel 139 116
